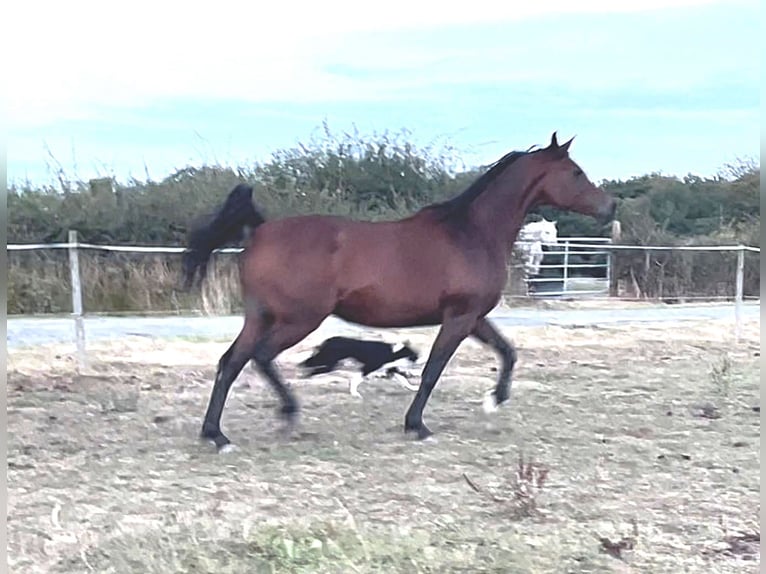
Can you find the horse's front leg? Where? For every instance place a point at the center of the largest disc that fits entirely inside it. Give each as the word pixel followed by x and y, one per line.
pixel 453 331
pixel 487 334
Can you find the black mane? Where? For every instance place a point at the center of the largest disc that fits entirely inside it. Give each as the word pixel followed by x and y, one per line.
pixel 457 207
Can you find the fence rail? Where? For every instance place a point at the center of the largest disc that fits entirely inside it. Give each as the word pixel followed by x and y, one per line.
pixel 566 246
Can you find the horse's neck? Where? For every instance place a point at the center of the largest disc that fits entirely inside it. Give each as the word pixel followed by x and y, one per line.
pixel 500 211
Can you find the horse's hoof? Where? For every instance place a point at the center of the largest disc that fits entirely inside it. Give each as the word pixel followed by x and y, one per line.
pixel 419 433
pixel 227 448
pixel 288 413
pixel 209 436
pixel 489 404
pixel 288 431
pixel 289 416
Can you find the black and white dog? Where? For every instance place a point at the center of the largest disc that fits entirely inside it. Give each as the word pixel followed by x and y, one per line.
pixel 374 357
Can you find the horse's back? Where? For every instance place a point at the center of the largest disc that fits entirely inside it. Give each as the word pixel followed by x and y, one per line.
pixel 405 272
pixel 377 273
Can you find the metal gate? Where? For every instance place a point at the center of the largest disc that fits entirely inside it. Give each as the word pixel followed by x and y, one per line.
pixel 573 267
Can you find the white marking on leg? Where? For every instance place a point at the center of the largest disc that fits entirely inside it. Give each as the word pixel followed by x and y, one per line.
pixel 55 514
pixel 489 404
pixel 227 448
pixel 402 380
pixel 354 385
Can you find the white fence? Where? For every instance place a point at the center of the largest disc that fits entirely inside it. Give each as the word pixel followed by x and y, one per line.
pixel 567 247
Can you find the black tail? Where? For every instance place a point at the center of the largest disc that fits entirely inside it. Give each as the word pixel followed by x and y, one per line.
pixel 224 226
pixel 312 361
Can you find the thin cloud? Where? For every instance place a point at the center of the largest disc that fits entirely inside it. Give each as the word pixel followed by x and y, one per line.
pixel 128 81
pixel 83 54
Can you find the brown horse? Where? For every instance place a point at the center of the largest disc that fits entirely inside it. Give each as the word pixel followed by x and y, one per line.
pixel 445 265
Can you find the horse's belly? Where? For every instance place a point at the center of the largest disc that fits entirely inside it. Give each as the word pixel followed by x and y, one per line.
pixel 369 306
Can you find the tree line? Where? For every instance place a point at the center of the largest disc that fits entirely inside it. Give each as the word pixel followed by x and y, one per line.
pixel 372 177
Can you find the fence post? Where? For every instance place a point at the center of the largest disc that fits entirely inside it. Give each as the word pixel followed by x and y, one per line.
pixel 566 265
pixel 739 293
pixel 74 273
pixel 613 280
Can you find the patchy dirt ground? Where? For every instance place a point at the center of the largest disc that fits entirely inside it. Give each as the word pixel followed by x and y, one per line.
pixel 640 448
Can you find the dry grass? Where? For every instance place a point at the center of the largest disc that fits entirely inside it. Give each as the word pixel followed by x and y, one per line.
pixel 118 282
pixel 619 473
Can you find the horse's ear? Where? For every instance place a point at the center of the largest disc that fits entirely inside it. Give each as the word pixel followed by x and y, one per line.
pixel 554 142
pixel 565 146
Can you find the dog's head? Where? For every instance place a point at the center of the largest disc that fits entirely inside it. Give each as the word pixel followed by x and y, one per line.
pixel 405 351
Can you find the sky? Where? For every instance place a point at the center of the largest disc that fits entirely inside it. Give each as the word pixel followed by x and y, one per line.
pixel 140 89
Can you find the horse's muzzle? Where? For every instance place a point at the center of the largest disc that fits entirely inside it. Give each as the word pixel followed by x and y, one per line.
pixel 606 213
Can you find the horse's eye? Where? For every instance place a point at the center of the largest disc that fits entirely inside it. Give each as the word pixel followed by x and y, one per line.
pixel 578 172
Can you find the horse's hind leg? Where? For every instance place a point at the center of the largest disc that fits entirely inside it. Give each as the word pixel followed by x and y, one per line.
pixel 261 341
pixel 281 335
pixel 487 334
pixel 229 367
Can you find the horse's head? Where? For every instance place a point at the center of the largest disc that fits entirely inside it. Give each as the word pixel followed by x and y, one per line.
pixel 564 184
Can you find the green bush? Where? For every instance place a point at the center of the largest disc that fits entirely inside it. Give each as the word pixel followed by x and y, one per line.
pixel 373 177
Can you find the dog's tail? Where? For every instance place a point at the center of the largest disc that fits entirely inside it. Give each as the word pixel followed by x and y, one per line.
pixel 224 226
pixel 312 361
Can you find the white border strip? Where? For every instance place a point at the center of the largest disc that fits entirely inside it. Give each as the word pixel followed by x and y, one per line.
pixel 150 249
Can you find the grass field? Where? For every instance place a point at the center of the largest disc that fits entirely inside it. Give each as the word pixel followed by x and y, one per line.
pixel 640 450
